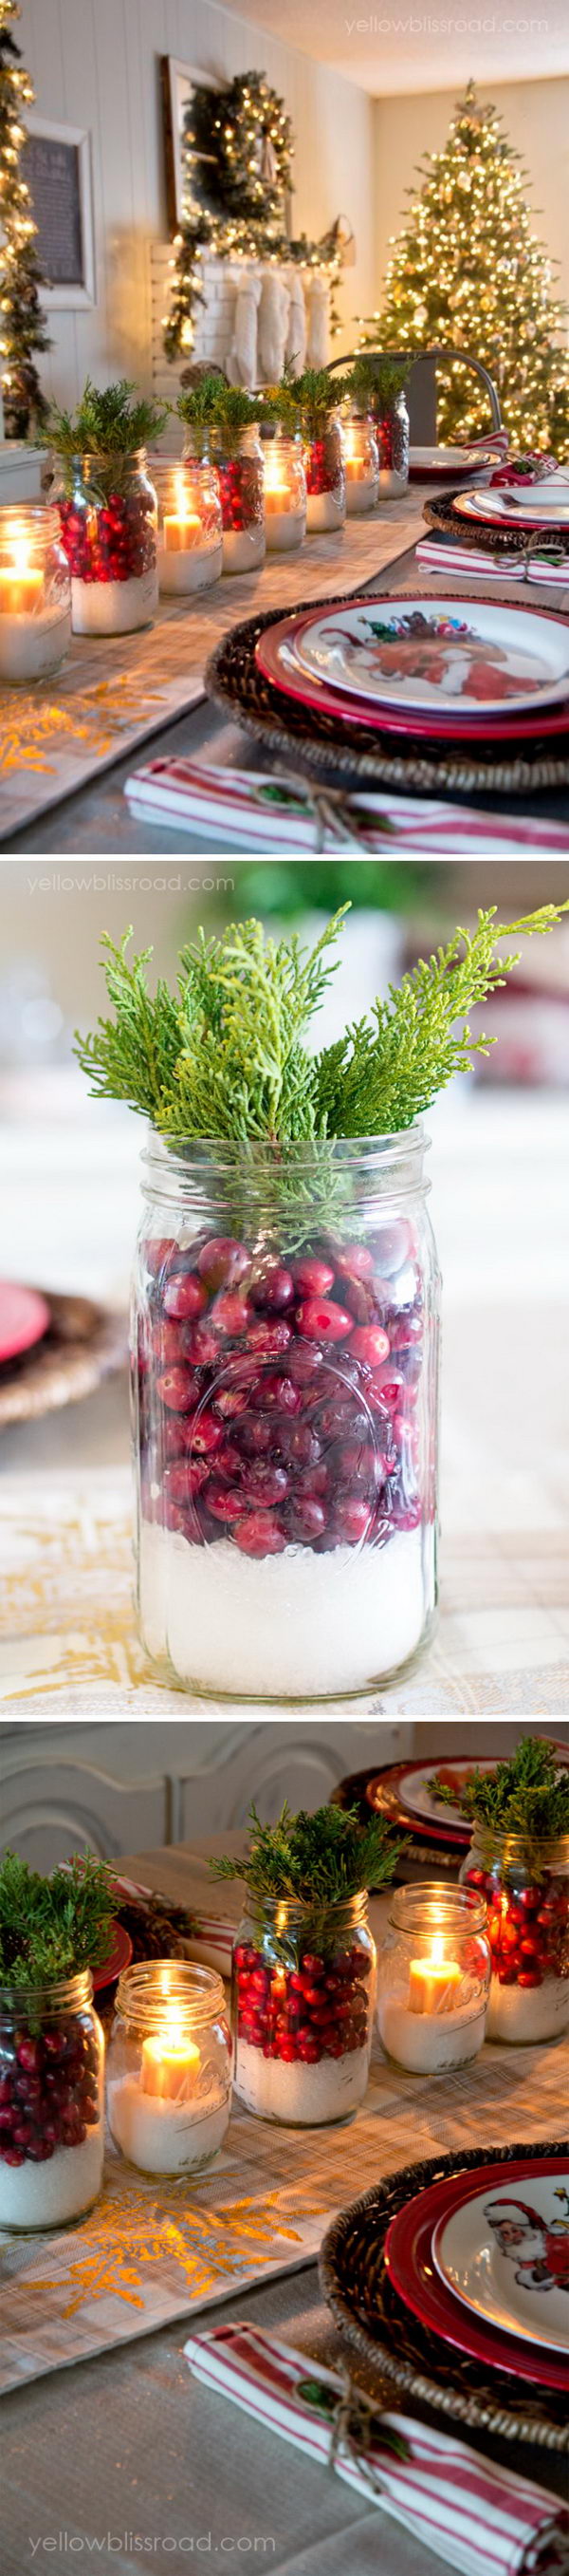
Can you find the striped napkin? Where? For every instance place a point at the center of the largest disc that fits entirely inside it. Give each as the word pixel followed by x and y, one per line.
pixel 480 566
pixel 274 813
pixel 212 1937
pixel 474 2515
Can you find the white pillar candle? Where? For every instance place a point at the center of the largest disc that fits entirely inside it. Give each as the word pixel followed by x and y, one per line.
pixel 243 548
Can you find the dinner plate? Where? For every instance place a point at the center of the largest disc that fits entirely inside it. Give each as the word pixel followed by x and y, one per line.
pixel 505 2254
pixel 546 507
pixel 446 462
pixel 385 1793
pixel 416 1795
pixel 277 663
pixel 24 1318
pixel 438 660
pixel 412 2272
pixel 119 1956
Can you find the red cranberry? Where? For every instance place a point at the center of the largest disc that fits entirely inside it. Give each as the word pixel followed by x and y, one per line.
pixel 260 1535
pixel 279 1395
pixel 271 1339
pixel 184 1297
pixel 370 1344
pixel 208 1434
pixel 231 1401
pixel 167 1346
pixel 6 2117
pixel 228 1462
pixel 530 1977
pixel 227 1502
pixel 322 1321
pixel 356 1262
pixel 255 1436
pixel 300 1444
pixel 352 1517
pixel 230 1314
pixel 265 1484
pixel 303 1364
pixel 312 1276
pixel 176 1387
pixel 275 1290
pixel 223 1261
pixel 12 2155
pixel 201 1345
pixel 183 1479
pixel 157 1253
pixel 307 1517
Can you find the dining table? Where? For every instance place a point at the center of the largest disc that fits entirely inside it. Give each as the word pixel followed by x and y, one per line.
pixel 120 2455
pixel 67 752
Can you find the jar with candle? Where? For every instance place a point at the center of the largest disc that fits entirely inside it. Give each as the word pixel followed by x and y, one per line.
pixel 190 533
pixel 108 514
pixel 238 458
pixel 169 2067
pixel 303 2000
pixel 285 492
pixel 391 425
pixel 35 593
pixel 51 2103
pixel 524 1884
pixel 362 464
pixel 324 461
pixel 433 1978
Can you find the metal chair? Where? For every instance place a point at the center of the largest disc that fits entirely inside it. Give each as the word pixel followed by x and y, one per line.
pixel 422 386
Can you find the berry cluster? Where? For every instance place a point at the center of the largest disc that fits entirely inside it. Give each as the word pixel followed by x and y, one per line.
pixel 109 541
pixel 323 462
pixel 392 434
pixel 319 2009
pixel 278 1398
pixel 48 2092
pixel 528 1926
pixel 241 486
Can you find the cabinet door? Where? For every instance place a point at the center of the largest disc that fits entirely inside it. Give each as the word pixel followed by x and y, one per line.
pixel 52 1809
pixel 299 1759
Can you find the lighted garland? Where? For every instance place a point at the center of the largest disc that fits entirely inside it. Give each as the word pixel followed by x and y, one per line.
pixel 245 130
pixel 22 325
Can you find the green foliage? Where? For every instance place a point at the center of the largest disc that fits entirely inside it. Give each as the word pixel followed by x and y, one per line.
pixel 51 1927
pixel 107 423
pixel 134 1056
pixel 198 405
pixel 318 1859
pixel 376 383
pixel 318 395
pixel 526 1795
pixel 289 887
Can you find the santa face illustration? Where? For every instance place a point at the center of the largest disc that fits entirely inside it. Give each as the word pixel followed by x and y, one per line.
pixel 539 2247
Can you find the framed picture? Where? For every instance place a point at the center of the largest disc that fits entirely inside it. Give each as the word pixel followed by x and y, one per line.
pixel 56 163
pixel 179 80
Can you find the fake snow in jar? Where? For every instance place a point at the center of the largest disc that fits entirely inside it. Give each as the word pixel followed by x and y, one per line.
pixel 169 2067
pixel 35 594
pixel 190 535
pixel 434 1978
pixel 303 2016
pixel 285 494
pixel 51 2104
pixel 325 480
pixel 108 510
pixel 241 482
pixel 285 1414
pixel 361 465
pixel 526 1892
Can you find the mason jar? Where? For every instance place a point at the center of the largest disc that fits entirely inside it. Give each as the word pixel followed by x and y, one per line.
pixel 108 516
pixel 51 2103
pixel 391 423
pixel 303 1999
pixel 169 2067
pixel 285 493
pixel 284 1370
pixel 35 593
pixel 190 534
pixel 434 1977
pixel 324 465
pixel 240 466
pixel 362 464
pixel 525 1887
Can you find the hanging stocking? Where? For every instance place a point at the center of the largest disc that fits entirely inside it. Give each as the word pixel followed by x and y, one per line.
pixel 297 324
pixel 318 322
pixel 273 325
pixel 242 363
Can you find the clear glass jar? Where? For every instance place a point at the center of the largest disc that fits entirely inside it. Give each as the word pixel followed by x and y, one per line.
pixel 362 464
pixel 303 1999
pixel 241 471
pixel 284 1358
pixel 108 514
pixel 433 1978
pixel 526 1891
pixel 169 2067
pixel 391 424
pixel 324 463
pixel 190 533
pixel 285 493
pixel 51 2103
pixel 35 593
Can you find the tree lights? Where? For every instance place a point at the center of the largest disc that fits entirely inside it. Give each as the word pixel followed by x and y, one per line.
pixel 22 327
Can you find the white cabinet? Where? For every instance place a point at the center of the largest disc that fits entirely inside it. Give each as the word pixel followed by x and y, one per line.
pixel 130 1787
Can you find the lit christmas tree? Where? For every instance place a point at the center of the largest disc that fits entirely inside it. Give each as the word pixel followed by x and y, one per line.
pixel 22 324
pixel 469 271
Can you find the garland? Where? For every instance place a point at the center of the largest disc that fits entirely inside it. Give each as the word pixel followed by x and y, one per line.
pixel 247 136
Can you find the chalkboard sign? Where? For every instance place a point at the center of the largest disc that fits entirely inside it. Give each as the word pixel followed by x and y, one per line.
pixel 57 171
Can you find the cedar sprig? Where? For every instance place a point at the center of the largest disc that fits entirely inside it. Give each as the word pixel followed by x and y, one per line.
pixel 313 1860
pixel 51 1927
pixel 526 1795
pixel 106 422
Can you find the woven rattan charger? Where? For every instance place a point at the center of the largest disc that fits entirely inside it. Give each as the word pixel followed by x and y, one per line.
pixel 313 742
pixel 393 2343
pixel 485 536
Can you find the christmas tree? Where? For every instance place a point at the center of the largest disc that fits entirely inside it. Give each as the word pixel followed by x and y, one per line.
pixel 22 323
pixel 468 271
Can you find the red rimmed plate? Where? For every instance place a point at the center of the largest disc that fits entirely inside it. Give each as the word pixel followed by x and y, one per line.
pixel 442 464
pixel 24 1318
pixel 118 1957
pixel 404 1793
pixel 276 658
pixel 410 2266
pixel 549 509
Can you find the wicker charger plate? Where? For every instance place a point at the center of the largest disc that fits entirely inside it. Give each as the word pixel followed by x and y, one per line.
pixel 83 1345
pixel 391 2340
pixel 487 536
pixel 281 725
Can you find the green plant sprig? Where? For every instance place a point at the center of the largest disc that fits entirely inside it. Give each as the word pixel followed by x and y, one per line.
pixel 106 423
pixel 51 1927
pixel 317 396
pixel 322 1859
pixel 526 1795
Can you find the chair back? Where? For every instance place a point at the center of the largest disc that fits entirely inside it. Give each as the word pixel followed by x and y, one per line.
pixel 422 385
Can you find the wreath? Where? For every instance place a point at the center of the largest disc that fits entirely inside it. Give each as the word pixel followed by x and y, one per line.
pixel 245 133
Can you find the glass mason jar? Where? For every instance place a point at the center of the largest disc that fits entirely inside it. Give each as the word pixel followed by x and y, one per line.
pixel 190 534
pixel 169 2067
pixel 324 461
pixel 51 2103
pixel 525 1887
pixel 284 1359
pixel 35 593
pixel 434 1978
pixel 241 471
pixel 362 464
pixel 391 423
pixel 285 492
pixel 303 1998
pixel 108 511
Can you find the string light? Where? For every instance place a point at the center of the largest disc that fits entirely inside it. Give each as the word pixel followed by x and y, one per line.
pixel 20 275
pixel 252 121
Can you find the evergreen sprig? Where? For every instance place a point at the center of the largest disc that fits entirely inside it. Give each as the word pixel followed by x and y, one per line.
pixel 314 1860
pixel 526 1795
pixel 107 423
pixel 51 1927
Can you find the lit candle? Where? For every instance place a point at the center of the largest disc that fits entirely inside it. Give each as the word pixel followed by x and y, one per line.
pixel 170 2063
pixel 35 601
pixel 434 1982
pixel 181 532
pixel 362 470
pixel 21 583
pixel 189 547
pixel 285 506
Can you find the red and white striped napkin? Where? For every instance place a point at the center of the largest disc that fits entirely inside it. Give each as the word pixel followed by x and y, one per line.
pixel 478 2517
pixel 273 813
pixel 480 566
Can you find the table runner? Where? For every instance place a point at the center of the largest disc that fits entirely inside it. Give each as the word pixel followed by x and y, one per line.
pixel 152 2251
pixel 68 1640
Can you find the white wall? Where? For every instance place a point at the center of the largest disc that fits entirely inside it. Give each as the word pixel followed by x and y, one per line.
pixel 95 63
pixel 536 122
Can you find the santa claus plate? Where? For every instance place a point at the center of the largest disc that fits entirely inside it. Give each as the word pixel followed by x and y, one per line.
pixel 435 657
pixel 505 2253
pixel 411 2269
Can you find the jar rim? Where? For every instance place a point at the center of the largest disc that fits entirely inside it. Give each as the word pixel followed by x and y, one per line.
pixel 394 1146
pixel 423 1906
pixel 302 1909
pixel 197 1992
pixel 516 1845
pixel 73 1991
pixel 30 521
pixel 98 456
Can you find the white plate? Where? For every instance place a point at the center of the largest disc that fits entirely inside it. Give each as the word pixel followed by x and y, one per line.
pixel 505 2253
pixel 453 460
pixel 437 656
pixel 543 505
pixel 417 1794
